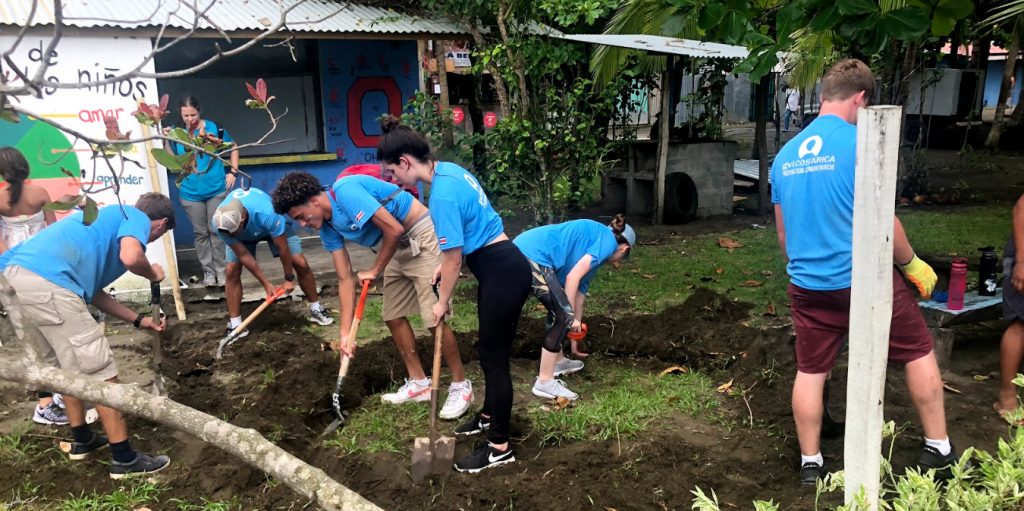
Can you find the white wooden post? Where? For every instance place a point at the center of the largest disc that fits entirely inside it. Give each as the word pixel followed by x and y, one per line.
pixel 874 200
pixel 666 125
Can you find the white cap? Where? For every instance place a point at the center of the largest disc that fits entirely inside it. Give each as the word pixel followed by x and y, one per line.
pixel 228 217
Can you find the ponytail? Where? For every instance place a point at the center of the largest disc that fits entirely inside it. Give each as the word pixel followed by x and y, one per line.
pixel 14 169
pixel 400 140
pixel 618 226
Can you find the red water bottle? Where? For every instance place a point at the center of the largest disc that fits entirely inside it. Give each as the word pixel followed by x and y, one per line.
pixel 957 284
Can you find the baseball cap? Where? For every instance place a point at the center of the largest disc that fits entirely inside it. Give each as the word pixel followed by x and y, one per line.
pixel 630 235
pixel 228 217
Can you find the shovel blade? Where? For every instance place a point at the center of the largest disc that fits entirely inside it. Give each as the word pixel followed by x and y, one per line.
pixel 332 426
pixel 432 457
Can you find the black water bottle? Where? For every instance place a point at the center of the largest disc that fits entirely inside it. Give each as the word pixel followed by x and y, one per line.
pixel 987 280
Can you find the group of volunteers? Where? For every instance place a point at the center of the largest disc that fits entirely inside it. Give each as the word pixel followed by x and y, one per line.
pixel 420 248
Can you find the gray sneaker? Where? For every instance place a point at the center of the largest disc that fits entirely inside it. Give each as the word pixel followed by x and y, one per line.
pixel 222 278
pixel 321 317
pixel 142 464
pixel 50 415
pixel 81 451
pixel 209 279
pixel 553 389
pixel 567 366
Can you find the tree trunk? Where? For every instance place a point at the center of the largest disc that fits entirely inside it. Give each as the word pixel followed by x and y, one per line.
pixel 247 444
pixel 1009 69
pixel 476 116
pixel 446 110
pixel 499 82
pixel 761 143
pixel 979 62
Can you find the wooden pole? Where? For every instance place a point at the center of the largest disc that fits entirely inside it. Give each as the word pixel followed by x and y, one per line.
pixel 172 257
pixel 659 174
pixel 874 199
pixel 442 80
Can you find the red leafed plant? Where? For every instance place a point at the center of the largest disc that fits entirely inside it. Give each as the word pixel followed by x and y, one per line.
pixel 151 115
pixel 259 100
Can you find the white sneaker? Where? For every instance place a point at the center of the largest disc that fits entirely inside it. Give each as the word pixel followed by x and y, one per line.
pixel 321 316
pixel 412 390
pixel 460 395
pixel 222 278
pixel 209 279
pixel 567 366
pixel 553 389
pixel 91 415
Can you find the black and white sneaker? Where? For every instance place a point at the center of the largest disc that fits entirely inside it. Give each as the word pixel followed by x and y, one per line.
pixel 476 424
pixel 241 334
pixel 321 317
pixel 483 457
pixel 810 472
pixel 931 458
pixel 142 464
pixel 81 451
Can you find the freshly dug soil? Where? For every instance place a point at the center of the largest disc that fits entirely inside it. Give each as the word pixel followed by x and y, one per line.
pixel 277 381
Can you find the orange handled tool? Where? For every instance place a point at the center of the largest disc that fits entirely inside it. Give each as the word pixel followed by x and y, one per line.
pixel 241 328
pixel 345 360
pixel 576 337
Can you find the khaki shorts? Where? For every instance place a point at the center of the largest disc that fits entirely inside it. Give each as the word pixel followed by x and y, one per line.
pixel 407 288
pixel 69 337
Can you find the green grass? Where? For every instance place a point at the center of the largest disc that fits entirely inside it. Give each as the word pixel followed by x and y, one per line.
pixel 380 427
pixel 659 276
pixel 234 503
pixel 957 232
pixel 621 404
pixel 121 499
pixel 15 448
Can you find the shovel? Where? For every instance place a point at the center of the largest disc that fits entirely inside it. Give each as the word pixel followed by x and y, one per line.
pixel 345 360
pixel 158 354
pixel 230 339
pixel 433 454
pixel 576 338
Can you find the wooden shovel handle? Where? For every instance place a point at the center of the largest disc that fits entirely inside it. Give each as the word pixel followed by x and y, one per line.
pixel 354 331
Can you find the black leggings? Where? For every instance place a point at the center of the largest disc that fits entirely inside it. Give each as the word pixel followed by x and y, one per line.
pixel 504 277
pixel 551 294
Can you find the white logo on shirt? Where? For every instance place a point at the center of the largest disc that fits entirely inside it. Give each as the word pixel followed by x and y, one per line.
pixel 811 146
pixel 482 197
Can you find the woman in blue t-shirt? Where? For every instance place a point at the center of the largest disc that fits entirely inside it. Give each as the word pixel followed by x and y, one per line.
pixel 564 258
pixel 466 224
pixel 202 192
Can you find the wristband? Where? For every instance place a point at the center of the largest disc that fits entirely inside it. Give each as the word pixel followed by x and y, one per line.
pixel 290 278
pixel 138 321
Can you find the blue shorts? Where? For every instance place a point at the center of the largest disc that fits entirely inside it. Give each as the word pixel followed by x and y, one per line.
pixel 294 245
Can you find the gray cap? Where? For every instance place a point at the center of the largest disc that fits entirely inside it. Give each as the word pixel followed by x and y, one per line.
pixel 630 235
pixel 228 217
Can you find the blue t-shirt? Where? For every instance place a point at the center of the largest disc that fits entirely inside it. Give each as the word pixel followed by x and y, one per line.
pixel 353 202
pixel 81 258
pixel 204 186
pixel 561 246
pixel 263 221
pixel 462 214
pixel 812 179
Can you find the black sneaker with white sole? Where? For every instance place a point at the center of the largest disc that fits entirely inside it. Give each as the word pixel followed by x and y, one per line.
pixel 476 424
pixel 81 451
pixel 483 457
pixel 240 335
pixel 931 458
pixel 142 464
pixel 810 472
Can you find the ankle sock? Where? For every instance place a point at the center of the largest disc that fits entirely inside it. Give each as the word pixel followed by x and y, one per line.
pixel 122 452
pixel 817 458
pixel 943 446
pixel 234 322
pixel 82 434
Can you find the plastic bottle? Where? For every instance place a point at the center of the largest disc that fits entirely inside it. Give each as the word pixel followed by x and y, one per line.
pixel 987 281
pixel 957 284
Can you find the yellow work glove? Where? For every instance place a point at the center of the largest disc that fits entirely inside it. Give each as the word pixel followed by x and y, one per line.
pixel 921 275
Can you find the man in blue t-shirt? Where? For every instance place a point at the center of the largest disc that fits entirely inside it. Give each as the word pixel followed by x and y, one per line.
pixel 812 188
pixel 242 221
pixel 368 211
pixel 55 276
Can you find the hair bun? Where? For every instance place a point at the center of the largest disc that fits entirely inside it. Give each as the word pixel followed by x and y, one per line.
pixel 389 122
pixel 618 223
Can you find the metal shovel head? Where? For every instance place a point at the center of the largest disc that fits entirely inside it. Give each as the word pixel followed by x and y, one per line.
pixel 434 457
pixel 338 421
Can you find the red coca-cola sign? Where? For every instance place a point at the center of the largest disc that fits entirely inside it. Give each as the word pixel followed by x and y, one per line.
pixel 490 119
pixel 458 115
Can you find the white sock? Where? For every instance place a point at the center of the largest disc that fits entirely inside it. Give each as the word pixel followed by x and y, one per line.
pixel 817 458
pixel 234 322
pixel 315 306
pixel 942 446
pixel 460 384
pixel 425 382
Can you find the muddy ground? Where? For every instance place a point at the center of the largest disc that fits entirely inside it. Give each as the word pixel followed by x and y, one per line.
pixel 657 470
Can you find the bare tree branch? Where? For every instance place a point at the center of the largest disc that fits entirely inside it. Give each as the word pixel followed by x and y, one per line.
pixel 24 29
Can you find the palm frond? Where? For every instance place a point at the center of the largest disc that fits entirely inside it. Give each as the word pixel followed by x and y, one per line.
pixel 1011 9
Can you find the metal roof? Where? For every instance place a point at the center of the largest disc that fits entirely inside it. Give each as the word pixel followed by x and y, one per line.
pixel 662 44
pixel 228 15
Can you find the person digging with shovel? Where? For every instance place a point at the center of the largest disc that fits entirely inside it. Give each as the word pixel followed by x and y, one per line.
pixel 242 221
pixel 56 275
pixel 368 211
pixel 564 258
pixel 467 224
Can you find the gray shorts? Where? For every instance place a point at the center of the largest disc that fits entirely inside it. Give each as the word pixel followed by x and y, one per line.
pixel 1013 301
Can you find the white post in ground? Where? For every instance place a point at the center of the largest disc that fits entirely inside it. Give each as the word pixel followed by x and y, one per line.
pixel 874 202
